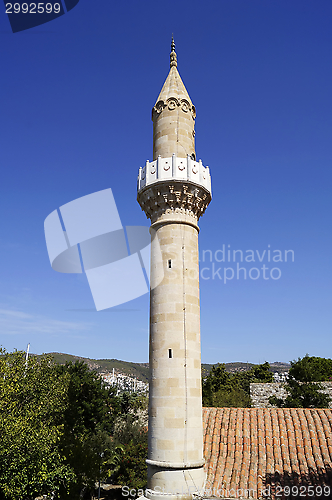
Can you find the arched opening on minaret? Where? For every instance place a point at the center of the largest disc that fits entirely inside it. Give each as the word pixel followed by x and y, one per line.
pixel 169 264
pixel 170 353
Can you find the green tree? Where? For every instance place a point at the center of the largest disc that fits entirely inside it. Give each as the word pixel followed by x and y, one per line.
pixel 32 402
pixel 87 425
pixel 311 369
pixel 217 380
pixel 100 427
pixel 303 387
pixel 132 469
pixel 61 429
pixel 261 373
pixel 224 389
pixel 233 396
pixel 89 400
pixel 130 432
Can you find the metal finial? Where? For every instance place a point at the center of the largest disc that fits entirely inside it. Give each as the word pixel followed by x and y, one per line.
pixel 172 44
pixel 173 54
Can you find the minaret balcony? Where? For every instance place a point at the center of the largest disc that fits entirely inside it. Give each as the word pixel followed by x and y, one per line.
pixel 174 168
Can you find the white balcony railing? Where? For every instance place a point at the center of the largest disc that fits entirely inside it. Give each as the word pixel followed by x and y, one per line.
pixel 174 168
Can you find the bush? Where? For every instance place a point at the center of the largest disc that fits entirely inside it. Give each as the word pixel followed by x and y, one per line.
pixel 133 469
pixel 224 389
pixel 303 387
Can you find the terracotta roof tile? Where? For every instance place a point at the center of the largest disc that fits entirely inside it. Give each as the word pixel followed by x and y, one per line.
pixel 258 452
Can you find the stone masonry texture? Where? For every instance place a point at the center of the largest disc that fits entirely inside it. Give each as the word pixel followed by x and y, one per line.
pixel 174 205
pixel 260 393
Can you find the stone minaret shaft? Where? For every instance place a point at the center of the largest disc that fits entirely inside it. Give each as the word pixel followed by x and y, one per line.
pixel 174 191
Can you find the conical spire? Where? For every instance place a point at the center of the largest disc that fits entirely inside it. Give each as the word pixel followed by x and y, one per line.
pixel 173 117
pixel 173 86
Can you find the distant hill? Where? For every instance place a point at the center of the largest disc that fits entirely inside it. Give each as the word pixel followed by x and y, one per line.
pixel 136 370
pixel 141 370
pixel 238 366
pixel 278 366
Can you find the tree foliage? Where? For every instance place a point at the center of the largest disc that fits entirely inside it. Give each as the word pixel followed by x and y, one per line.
pixel 61 429
pixel 32 401
pixel 303 387
pixel 224 389
pixel 132 469
pixel 87 424
pixel 91 440
pixel 311 369
pixel 130 431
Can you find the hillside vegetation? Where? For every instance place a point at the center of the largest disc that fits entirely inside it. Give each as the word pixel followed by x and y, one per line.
pixel 141 370
pixel 136 370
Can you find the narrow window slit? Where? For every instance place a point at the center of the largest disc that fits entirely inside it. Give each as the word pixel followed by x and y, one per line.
pixel 169 264
pixel 170 353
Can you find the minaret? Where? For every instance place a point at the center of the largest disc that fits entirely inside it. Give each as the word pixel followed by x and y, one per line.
pixel 174 191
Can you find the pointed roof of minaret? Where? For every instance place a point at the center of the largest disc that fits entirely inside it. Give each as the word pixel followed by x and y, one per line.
pixel 173 86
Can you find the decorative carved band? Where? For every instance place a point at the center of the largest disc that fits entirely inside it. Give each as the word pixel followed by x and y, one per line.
pixel 173 103
pixel 173 198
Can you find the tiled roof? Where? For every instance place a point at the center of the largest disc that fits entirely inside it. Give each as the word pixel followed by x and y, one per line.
pixel 259 452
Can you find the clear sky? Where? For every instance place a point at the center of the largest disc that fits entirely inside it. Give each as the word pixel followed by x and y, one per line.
pixel 76 104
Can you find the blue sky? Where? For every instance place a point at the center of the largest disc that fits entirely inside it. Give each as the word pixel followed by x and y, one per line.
pixel 75 118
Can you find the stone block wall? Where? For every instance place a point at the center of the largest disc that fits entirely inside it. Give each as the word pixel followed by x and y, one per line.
pixel 260 393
